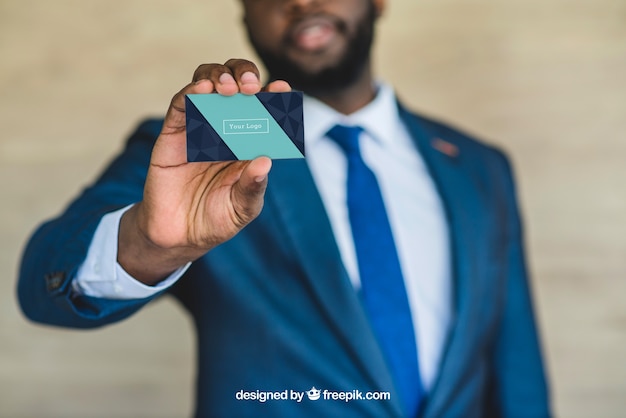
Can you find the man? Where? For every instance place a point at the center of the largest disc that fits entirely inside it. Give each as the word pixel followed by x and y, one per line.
pixel 388 265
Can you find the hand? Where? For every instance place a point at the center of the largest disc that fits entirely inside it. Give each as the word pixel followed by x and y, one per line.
pixel 189 208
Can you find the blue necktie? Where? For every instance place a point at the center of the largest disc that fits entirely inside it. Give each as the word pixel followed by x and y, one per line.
pixel 382 286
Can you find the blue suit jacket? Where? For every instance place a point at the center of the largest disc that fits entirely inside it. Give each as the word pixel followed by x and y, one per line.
pixel 275 310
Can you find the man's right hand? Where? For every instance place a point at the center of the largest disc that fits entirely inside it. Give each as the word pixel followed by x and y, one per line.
pixel 189 208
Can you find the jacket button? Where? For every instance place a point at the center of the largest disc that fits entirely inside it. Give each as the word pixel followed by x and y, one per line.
pixel 54 280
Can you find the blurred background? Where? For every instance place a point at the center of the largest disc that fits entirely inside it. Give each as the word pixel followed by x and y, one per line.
pixel 543 79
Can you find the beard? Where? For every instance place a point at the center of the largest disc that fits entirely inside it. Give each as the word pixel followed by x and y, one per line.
pixel 331 78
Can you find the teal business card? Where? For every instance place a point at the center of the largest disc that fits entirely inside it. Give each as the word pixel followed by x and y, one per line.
pixel 243 127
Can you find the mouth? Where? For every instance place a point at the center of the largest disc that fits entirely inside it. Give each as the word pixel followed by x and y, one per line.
pixel 314 33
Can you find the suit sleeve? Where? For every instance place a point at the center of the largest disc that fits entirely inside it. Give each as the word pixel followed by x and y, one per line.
pixel 520 384
pixel 58 247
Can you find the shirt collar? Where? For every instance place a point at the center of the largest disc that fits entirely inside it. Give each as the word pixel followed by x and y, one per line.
pixel 379 118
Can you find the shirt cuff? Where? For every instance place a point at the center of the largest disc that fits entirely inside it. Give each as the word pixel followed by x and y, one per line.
pixel 101 276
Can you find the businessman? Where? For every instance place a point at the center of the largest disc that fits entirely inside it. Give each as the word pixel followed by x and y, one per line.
pixel 383 276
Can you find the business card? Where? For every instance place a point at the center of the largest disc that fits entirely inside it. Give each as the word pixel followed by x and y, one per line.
pixel 243 127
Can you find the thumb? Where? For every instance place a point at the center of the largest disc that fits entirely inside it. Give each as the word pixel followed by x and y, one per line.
pixel 248 192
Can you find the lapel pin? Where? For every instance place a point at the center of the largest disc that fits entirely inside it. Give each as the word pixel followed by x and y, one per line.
pixel 445 147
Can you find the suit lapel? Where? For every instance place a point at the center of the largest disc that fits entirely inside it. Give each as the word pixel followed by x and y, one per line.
pixel 447 162
pixel 293 193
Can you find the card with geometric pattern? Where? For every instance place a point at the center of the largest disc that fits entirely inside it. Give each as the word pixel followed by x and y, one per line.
pixel 243 127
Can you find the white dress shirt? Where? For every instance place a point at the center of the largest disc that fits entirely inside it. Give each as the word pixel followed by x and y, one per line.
pixel 414 209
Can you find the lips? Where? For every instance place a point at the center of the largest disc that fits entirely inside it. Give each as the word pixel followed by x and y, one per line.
pixel 314 33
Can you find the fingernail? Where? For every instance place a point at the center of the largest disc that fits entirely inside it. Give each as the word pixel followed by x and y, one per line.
pixel 260 179
pixel 249 77
pixel 226 78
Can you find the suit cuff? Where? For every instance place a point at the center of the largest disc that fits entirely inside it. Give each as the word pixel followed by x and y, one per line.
pixel 101 276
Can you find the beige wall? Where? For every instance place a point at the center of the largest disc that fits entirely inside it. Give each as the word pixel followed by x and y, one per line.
pixel 544 79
